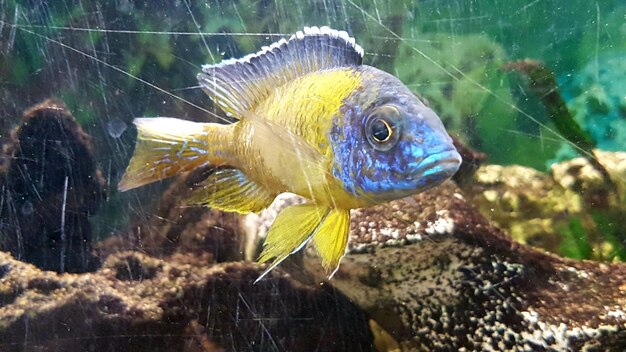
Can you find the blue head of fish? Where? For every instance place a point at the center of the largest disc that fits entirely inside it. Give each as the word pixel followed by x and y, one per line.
pixel 387 143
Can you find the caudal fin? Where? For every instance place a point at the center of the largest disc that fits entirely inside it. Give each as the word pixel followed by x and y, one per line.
pixel 165 147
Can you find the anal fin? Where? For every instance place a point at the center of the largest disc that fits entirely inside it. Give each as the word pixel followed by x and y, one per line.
pixel 229 189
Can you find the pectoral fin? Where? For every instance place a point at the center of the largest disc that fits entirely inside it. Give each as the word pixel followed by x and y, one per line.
pixel 229 189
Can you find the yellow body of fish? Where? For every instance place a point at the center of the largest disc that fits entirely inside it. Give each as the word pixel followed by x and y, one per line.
pixel 301 106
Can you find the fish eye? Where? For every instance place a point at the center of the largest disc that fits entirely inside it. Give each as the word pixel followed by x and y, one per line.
pixel 382 128
pixel 381 131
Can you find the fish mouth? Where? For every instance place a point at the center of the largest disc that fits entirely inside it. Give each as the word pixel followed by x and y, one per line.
pixel 440 166
pixel 430 172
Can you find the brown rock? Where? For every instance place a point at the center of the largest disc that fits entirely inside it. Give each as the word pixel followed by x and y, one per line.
pixel 139 303
pixel 438 277
pixel 50 187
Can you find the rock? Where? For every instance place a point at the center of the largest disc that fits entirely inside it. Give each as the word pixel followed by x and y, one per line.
pixel 579 176
pixel 136 302
pixel 527 204
pixel 437 276
pixel 50 187
pixel 539 209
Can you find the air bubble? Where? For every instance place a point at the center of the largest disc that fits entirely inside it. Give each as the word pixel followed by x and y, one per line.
pixel 27 208
pixel 116 128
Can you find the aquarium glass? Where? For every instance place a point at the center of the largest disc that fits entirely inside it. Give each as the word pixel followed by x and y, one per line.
pixel 533 90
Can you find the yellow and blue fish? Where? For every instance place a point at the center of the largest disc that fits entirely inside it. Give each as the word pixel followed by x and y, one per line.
pixel 310 119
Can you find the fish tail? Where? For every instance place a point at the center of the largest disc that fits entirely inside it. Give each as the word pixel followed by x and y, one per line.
pixel 168 146
pixel 298 224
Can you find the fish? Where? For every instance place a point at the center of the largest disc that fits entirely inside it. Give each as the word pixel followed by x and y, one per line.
pixel 311 119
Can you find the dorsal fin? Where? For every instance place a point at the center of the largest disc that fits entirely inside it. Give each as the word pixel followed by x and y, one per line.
pixel 236 85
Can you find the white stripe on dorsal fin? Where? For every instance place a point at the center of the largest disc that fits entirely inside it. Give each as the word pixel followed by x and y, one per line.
pixel 237 85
